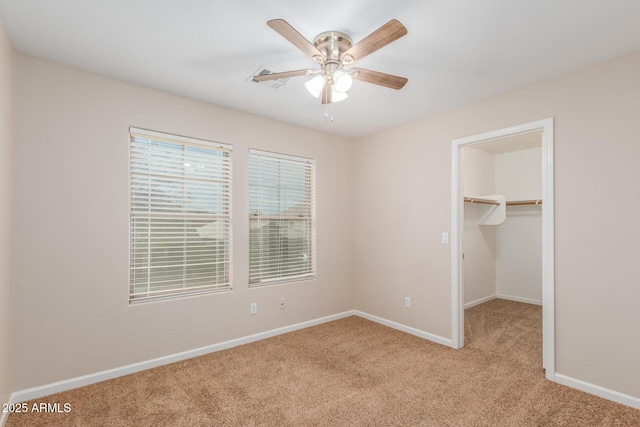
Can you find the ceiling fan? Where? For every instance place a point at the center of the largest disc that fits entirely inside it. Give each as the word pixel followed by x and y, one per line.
pixel 334 50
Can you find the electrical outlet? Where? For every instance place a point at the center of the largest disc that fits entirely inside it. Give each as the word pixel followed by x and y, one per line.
pixel 253 308
pixel 407 302
pixel 283 303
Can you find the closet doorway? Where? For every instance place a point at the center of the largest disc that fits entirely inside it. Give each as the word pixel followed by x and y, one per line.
pixel 486 159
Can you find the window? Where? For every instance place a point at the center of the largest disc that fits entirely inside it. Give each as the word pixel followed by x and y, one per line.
pixel 281 218
pixel 180 213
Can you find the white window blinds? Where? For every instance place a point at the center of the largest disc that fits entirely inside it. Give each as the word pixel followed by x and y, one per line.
pixel 180 215
pixel 281 218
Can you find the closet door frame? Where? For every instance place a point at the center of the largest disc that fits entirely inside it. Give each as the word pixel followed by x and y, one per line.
pixel 548 265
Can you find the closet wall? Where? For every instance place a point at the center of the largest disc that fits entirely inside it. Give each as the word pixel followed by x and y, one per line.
pixel 479 249
pixel 505 260
pixel 518 176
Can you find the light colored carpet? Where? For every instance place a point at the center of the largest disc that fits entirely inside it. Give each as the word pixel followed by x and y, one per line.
pixel 351 372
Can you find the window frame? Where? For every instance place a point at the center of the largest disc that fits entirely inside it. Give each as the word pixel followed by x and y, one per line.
pixel 225 172
pixel 310 199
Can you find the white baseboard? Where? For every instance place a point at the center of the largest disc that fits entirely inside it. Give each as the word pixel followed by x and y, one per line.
pixel 45 390
pixel 596 390
pixel 479 301
pixel 408 329
pixel 57 387
pixel 519 299
pixel 60 386
pixel 501 296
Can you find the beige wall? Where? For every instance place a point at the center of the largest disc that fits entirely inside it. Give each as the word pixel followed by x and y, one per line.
pixel 6 207
pixel 403 198
pixel 72 315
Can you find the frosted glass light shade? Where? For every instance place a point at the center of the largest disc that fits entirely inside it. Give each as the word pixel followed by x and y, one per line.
pixel 342 81
pixel 338 96
pixel 315 85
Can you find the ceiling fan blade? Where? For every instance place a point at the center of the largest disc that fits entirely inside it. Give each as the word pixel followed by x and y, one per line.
pixel 389 32
pixel 378 78
pixel 283 28
pixel 284 75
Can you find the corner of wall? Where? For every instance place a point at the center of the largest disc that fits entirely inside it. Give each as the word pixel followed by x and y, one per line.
pixel 7 61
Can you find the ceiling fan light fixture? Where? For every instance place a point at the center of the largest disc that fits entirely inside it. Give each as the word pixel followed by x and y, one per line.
pixel 315 85
pixel 334 50
pixel 342 81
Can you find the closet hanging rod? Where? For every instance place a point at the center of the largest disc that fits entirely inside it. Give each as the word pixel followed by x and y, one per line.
pixel 524 202
pixel 482 201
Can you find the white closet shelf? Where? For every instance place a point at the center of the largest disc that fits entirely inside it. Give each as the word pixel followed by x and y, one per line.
pixel 496 211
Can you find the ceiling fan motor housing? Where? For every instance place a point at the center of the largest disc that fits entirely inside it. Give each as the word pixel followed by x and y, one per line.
pixel 332 44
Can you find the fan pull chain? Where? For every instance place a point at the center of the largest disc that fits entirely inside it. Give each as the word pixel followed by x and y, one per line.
pixel 328 112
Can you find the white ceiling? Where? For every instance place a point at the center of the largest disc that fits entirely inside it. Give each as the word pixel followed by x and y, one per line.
pixel 455 52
